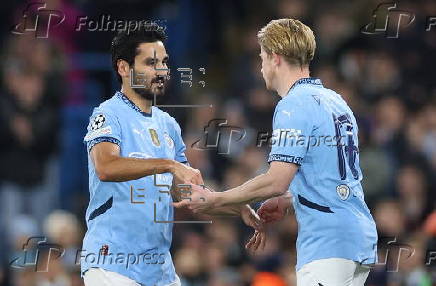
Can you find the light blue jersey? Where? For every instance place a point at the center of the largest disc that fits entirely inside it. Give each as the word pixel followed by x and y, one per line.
pixel 315 128
pixel 129 223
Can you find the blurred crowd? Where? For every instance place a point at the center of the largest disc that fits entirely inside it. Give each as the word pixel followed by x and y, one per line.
pixel 50 85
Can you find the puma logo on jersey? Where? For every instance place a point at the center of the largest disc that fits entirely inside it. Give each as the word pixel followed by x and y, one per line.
pixel 316 97
pixel 287 113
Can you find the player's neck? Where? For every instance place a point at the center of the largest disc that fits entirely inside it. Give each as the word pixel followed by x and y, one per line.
pixel 142 103
pixel 287 79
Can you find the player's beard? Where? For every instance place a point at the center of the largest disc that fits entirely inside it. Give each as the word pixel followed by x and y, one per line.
pixel 149 93
pixel 152 89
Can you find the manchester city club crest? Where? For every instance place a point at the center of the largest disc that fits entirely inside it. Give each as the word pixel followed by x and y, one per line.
pixel 154 137
pixel 343 192
pixel 169 140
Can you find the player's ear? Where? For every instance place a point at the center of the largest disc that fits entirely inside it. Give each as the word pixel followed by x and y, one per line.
pixel 123 68
pixel 276 59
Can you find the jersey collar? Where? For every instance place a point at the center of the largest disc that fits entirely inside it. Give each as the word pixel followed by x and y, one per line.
pixel 306 80
pixel 130 103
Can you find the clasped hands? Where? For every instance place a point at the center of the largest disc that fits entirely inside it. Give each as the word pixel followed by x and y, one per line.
pixel 200 199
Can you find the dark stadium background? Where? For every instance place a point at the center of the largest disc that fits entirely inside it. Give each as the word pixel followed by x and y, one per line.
pixel 50 85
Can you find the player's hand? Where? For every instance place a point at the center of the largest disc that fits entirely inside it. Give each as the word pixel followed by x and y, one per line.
pixel 274 209
pixel 251 218
pixel 200 199
pixel 256 242
pixel 184 173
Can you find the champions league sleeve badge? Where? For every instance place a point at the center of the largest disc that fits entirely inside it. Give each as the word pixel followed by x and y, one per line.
pixel 98 122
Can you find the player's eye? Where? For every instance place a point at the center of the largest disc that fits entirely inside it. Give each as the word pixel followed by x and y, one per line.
pixel 150 62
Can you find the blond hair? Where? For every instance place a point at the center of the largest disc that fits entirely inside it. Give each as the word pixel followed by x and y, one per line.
pixel 289 38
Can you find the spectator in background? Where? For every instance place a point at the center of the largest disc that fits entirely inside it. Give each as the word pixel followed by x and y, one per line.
pixel 28 128
pixel 390 115
pixel 63 228
pixel 412 189
pixel 24 228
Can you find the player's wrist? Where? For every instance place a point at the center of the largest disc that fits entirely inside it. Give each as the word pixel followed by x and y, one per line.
pixel 217 199
pixel 171 166
pixel 284 202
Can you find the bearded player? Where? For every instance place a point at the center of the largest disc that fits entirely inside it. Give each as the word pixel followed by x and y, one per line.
pixel 314 162
pixel 135 154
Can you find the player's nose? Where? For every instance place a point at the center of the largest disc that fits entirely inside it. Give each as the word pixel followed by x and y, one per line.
pixel 161 70
pixel 160 66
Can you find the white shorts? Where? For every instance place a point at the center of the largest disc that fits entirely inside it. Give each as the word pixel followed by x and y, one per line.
pixel 332 272
pixel 101 277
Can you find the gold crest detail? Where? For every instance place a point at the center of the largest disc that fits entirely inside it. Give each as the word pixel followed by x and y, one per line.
pixel 154 137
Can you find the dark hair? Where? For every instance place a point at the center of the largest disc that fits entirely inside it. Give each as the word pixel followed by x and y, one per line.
pixel 125 44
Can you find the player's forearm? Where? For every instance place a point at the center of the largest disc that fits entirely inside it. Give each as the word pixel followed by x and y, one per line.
pixel 123 169
pixel 234 210
pixel 258 189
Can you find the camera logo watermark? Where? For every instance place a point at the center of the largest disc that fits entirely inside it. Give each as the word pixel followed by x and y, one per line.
pixel 393 252
pixel 39 20
pixel 388 20
pixel 219 135
pixel 37 253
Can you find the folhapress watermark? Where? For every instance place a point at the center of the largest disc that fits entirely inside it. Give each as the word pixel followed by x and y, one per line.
pixel 103 257
pixel 105 23
pixel 40 20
